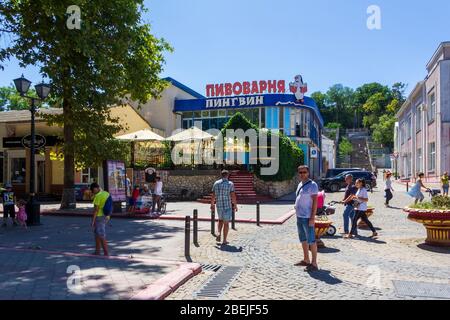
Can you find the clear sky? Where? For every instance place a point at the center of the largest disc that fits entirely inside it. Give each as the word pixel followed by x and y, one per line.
pixel 327 41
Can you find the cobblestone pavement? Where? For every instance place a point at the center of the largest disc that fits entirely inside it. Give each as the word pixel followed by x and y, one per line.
pixel 350 269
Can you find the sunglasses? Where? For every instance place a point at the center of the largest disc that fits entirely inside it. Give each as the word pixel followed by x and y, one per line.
pixel 302 172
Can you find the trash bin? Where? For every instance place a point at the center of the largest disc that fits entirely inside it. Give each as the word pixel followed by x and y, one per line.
pixel 33 209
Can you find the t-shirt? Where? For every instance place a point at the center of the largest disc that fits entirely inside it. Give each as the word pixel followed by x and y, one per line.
pixel 99 201
pixel 8 198
pixel 303 201
pixel 158 188
pixel 350 190
pixel 388 185
pixel 444 181
pixel 362 193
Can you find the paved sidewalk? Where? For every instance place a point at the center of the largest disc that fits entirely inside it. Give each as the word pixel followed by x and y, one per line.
pixel 350 269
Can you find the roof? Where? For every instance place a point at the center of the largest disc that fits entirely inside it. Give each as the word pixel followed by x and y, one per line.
pixel 25 115
pixel 185 88
pixel 437 53
pixel 408 101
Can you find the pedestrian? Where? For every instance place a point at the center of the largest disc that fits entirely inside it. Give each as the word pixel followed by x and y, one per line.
pixel 146 191
pixel 99 220
pixel 224 199
pixel 9 202
pixel 416 190
pixel 349 211
pixel 306 210
pixel 361 198
pixel 445 184
pixel 388 188
pixel 157 194
pixel 22 214
pixel 134 199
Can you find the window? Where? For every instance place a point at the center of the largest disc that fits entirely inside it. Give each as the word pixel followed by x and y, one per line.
pixel 402 132
pixel 431 107
pixel 409 127
pixel 418 118
pixel 419 167
pixel 89 175
pixel 18 169
pixel 432 156
pixel 1 167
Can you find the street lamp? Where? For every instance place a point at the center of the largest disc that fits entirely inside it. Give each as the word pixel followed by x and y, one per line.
pixel 42 91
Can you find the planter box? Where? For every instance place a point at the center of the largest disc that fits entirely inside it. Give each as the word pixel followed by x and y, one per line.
pixel 436 222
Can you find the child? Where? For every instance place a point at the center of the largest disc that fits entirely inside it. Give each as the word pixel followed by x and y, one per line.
pixel 416 190
pixel 360 212
pixel 445 184
pixel 22 215
pixel 9 201
pixel 134 198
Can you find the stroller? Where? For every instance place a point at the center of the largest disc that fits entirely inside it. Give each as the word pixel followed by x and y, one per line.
pixel 325 210
pixel 434 192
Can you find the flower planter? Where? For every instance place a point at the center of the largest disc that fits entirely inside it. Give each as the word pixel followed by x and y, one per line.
pixel 437 224
pixel 321 227
pixel 369 213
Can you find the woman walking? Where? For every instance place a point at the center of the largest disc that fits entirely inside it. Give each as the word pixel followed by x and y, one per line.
pixel 388 188
pixel 416 190
pixel 361 198
pixel 445 184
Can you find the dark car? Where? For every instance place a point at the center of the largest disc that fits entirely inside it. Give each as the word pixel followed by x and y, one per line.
pixel 335 171
pixel 337 183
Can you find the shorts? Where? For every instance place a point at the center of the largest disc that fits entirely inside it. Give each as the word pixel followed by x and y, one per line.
pixel 306 233
pixel 9 210
pixel 100 227
pixel 445 188
pixel 225 214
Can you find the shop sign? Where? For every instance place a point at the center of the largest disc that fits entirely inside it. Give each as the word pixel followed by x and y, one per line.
pixel 314 153
pixel 39 141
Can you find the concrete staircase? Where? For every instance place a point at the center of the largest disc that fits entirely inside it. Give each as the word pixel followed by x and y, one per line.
pixel 360 157
pixel 245 190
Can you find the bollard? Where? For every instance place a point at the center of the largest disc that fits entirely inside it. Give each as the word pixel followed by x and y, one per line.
pixel 258 215
pixel 407 186
pixel 213 223
pixel 233 218
pixel 195 222
pixel 187 237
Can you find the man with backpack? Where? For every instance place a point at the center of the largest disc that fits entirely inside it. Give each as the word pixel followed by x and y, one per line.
pixel 102 211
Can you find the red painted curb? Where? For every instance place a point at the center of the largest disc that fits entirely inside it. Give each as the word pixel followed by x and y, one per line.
pixel 163 287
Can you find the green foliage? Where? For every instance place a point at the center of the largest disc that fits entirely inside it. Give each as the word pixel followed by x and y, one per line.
pixel 438 203
pixel 383 130
pixel 345 147
pixel 112 56
pixel 333 125
pixel 290 155
pixel 11 100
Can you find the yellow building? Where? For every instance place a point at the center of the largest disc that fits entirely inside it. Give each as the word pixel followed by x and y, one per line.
pixel 15 158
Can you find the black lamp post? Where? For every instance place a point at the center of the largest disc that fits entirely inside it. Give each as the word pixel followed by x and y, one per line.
pixel 42 91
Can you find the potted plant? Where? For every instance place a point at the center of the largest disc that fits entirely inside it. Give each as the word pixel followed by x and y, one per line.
pixel 321 226
pixel 435 216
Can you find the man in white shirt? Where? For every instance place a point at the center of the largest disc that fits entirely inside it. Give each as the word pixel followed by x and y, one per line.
pixel 157 193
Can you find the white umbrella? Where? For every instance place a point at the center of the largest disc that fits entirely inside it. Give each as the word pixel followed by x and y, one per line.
pixel 141 135
pixel 193 133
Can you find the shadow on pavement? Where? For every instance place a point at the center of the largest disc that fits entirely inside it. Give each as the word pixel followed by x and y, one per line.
pixel 228 248
pixel 325 276
pixel 427 247
pixel 371 240
pixel 328 250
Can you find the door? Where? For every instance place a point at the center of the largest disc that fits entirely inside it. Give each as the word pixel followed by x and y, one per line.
pixel 40 173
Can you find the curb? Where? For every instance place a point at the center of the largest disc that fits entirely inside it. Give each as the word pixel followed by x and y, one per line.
pixel 166 285
pixel 278 221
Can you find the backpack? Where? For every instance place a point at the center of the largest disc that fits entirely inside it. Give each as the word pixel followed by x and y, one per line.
pixel 108 207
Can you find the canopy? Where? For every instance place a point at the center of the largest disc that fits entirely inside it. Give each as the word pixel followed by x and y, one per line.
pixel 193 133
pixel 141 135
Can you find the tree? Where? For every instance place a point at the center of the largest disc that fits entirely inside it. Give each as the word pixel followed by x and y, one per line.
pixel 345 147
pixel 342 99
pixel 113 55
pixel 383 130
pixel 11 100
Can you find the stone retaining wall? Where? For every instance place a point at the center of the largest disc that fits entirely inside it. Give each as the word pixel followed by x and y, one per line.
pixel 186 185
pixel 275 189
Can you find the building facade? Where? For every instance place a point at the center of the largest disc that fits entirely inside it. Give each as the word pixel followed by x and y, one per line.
pixel 422 137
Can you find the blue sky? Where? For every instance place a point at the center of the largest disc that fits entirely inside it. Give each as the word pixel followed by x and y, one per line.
pixel 327 41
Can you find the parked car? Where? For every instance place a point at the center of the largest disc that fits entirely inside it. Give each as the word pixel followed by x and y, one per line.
pixel 335 171
pixel 336 183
